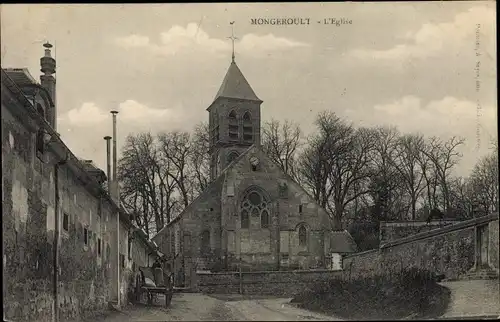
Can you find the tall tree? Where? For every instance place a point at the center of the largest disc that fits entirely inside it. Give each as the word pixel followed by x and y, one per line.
pixel 384 176
pixel 334 163
pixel 484 185
pixel 444 155
pixel 409 148
pixel 200 157
pixel 176 148
pixel 280 142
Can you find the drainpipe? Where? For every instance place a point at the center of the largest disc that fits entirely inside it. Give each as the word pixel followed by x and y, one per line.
pixel 108 160
pixel 115 194
pixel 56 243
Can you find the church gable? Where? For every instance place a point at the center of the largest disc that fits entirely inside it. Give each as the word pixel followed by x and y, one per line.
pixel 255 169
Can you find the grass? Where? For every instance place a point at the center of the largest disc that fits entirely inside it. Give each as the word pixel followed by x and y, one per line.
pixel 411 294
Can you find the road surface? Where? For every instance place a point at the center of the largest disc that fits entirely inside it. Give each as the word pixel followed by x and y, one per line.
pixel 473 298
pixel 199 307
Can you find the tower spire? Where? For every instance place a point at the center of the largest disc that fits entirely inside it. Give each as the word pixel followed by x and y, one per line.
pixel 233 38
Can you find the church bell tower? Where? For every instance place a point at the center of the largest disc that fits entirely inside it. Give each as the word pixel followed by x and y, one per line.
pixel 234 119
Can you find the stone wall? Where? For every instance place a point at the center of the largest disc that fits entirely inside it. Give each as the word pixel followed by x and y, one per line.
pixel 86 271
pixel 449 250
pixel 493 245
pixel 285 283
pixel 392 230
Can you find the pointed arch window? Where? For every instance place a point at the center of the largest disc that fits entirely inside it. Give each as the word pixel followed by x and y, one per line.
pixel 40 145
pixel 264 219
pixel 255 205
pixel 215 128
pixel 247 127
pixel 233 126
pixel 205 241
pixel 40 110
pixel 302 236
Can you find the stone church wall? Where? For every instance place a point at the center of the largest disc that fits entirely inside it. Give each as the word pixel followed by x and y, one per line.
pixel 28 228
pixel 259 247
pixel 449 250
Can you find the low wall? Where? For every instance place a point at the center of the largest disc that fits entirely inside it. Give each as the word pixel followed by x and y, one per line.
pixel 393 230
pixel 448 250
pixel 493 245
pixel 269 282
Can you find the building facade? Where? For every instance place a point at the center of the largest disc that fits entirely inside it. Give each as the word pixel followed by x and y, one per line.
pixel 252 216
pixel 62 255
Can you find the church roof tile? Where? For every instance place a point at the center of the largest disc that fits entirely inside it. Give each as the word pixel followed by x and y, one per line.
pixel 235 85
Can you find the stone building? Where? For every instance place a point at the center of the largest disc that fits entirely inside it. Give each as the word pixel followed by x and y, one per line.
pixel 56 215
pixel 252 216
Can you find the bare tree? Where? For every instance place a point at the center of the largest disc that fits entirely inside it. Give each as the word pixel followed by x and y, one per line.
pixel 443 156
pixel 334 163
pixel 409 148
pixel 137 174
pixel 200 157
pixel 461 198
pixel 280 142
pixel 484 185
pixel 176 148
pixel 385 179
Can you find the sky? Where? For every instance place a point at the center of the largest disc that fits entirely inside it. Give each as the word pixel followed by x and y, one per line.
pixel 410 65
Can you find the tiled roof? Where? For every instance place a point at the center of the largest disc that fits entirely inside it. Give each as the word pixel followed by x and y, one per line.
pixel 235 85
pixel 20 76
pixel 342 242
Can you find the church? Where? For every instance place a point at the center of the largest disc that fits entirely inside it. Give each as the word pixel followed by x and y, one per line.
pixel 252 216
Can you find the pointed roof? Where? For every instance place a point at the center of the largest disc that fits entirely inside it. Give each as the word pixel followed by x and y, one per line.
pixel 235 85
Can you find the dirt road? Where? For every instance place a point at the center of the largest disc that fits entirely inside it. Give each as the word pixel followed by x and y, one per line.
pixel 199 307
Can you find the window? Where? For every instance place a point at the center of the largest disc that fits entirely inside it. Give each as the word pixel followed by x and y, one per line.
pixel 40 145
pixel 232 156
pixel 247 127
pixel 40 110
pixel 129 249
pixel 99 246
pixel 215 128
pixel 122 260
pixel 177 240
pixel 245 222
pixel 86 235
pixel 264 219
pixel 256 205
pixel 205 241
pixel 65 222
pixel 233 126
pixel 302 236
pixel 300 209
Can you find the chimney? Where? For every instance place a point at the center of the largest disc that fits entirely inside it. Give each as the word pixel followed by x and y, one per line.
pixel 108 160
pixel 48 81
pixel 115 179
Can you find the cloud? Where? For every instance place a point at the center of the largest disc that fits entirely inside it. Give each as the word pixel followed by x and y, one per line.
pixel 192 38
pixel 132 41
pixel 444 118
pixel 129 111
pixel 87 115
pixel 433 38
pixel 269 42
pixel 83 128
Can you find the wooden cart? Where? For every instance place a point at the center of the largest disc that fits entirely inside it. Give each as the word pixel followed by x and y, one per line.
pixel 163 285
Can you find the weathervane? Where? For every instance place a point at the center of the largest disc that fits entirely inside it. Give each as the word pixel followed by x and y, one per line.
pixel 233 38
